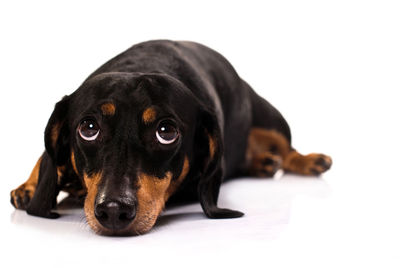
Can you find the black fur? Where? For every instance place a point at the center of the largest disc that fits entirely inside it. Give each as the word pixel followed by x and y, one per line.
pixel 190 84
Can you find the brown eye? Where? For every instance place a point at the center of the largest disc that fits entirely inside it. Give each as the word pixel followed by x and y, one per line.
pixel 166 132
pixel 89 130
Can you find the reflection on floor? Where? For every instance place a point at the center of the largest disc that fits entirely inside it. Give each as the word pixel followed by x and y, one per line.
pixel 265 202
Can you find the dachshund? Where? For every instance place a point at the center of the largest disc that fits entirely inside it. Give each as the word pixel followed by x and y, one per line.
pixel 162 121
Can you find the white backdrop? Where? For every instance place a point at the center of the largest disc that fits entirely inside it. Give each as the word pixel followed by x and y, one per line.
pixel 331 67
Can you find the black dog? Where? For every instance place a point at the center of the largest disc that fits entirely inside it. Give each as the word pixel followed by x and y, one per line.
pixel 163 119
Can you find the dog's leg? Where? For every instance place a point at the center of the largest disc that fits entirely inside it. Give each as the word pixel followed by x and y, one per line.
pixel 264 164
pixel 268 151
pixel 38 194
pixel 269 144
pixel 21 196
pixel 264 153
pixel 311 164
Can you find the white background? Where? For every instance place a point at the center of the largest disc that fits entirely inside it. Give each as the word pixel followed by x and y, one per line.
pixel 331 67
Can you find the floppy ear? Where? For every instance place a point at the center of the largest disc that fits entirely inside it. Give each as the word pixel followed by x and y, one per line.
pixel 56 154
pixel 209 146
pixel 56 136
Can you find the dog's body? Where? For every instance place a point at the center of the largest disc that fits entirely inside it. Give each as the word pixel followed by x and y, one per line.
pixel 163 120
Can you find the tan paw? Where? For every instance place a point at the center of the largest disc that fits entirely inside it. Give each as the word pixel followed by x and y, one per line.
pixel 21 196
pixel 317 164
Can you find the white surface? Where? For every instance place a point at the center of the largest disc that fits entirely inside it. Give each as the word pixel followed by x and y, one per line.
pixel 332 68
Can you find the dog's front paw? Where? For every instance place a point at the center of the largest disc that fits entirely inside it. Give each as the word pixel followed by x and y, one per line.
pixel 317 164
pixel 21 196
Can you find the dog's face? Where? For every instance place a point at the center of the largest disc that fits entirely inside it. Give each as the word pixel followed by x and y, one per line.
pixel 130 139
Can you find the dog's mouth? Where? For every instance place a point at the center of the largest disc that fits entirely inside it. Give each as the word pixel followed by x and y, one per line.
pixel 124 216
pixel 133 214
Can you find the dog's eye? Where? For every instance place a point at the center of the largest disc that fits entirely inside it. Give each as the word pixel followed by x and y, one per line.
pixel 166 132
pixel 89 130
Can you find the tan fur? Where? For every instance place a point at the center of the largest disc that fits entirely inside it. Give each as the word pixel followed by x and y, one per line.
pixel 262 145
pixel 151 195
pixel 29 187
pixel 211 146
pixel 92 183
pixel 73 162
pixel 149 115
pixel 108 109
pixel 258 168
pixel 60 172
pixel 269 146
pixel 175 184
pixel 305 164
pixel 261 140
pixel 73 191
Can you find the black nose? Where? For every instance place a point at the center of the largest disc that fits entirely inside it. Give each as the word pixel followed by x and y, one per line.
pixel 115 215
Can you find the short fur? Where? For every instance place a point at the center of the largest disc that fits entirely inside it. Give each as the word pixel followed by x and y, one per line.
pixel 225 130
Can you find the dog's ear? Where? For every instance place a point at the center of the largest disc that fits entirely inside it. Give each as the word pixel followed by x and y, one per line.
pixel 56 155
pixel 56 135
pixel 210 162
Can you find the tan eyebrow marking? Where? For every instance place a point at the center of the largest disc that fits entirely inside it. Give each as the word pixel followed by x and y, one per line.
pixel 149 115
pixel 108 109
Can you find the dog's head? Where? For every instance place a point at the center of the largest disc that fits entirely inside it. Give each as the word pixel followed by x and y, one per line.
pixel 132 139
